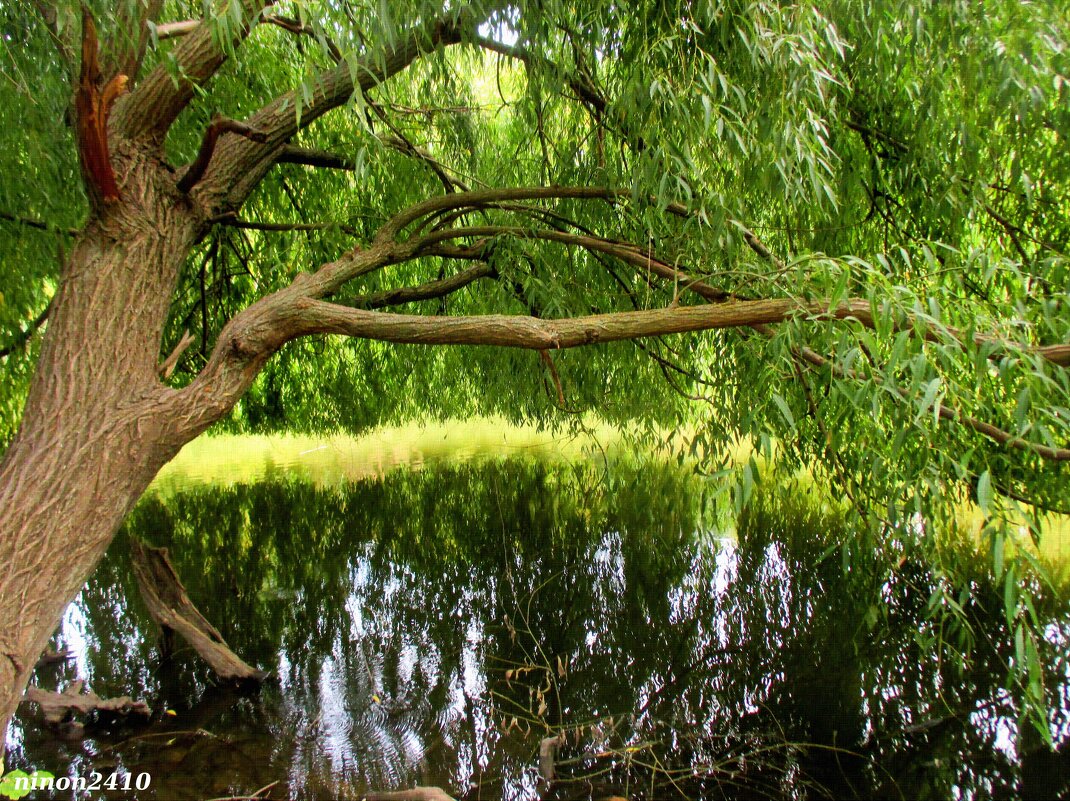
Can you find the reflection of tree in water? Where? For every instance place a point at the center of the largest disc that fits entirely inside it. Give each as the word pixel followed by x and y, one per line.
pixel 433 627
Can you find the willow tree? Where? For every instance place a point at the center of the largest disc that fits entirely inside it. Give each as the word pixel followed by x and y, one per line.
pixel 852 218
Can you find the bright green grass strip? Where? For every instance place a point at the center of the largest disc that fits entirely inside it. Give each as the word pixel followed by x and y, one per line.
pixel 230 459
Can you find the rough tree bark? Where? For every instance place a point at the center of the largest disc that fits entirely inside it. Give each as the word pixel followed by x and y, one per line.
pixel 97 424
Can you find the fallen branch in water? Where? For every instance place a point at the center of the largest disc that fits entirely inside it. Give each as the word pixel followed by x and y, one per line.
pixel 55 707
pixel 172 608
pixel 54 658
pixel 415 794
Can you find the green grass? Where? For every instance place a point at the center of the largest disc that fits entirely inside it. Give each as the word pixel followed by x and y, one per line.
pixel 242 459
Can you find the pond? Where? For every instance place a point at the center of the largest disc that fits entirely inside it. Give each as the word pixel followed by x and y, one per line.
pixel 433 627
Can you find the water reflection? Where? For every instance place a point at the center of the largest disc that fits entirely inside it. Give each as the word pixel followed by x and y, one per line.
pixel 433 627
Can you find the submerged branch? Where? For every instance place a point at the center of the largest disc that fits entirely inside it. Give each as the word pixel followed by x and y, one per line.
pixel 55 707
pixel 415 794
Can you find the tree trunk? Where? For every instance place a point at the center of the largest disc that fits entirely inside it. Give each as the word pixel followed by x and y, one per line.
pixel 97 424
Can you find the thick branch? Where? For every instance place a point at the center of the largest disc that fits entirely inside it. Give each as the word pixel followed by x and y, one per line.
pixel 56 706
pixel 304 316
pixel 249 339
pixel 159 99
pixel 415 794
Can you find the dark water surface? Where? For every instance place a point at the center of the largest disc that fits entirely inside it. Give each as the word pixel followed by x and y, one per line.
pixel 430 628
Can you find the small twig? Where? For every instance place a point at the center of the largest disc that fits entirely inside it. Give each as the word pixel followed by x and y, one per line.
pixel 545 356
pixel 312 157
pixel 232 221
pixel 294 26
pixel 171 30
pixel 169 364
pixel 218 126
pixel 259 795
pixel 38 224
pixel 23 337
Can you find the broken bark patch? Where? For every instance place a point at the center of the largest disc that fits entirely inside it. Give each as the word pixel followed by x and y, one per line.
pixel 173 610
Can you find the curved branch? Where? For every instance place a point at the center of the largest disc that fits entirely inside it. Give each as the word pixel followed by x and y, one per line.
pixel 219 125
pixel 483 197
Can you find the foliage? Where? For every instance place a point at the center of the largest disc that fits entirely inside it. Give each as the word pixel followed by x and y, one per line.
pixel 907 156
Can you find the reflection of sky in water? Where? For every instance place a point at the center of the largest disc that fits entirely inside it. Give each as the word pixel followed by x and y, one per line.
pixel 72 634
pixel 714 645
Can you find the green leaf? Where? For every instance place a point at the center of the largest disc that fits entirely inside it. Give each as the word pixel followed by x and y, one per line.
pixel 9 784
pixel 984 493
pixel 784 410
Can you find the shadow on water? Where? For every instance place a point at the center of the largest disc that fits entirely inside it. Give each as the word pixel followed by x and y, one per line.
pixel 434 627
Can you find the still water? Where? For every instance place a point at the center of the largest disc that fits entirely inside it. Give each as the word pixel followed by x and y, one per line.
pixel 432 627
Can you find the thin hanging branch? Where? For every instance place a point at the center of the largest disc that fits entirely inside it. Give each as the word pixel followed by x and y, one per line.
pixel 40 225
pixel 428 291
